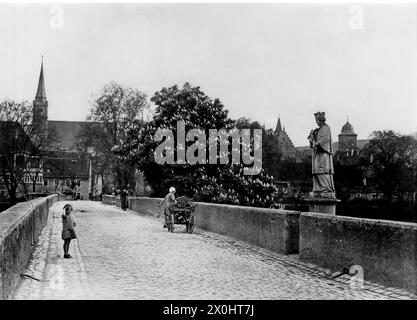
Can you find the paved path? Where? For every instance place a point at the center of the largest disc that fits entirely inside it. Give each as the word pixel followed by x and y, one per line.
pixel 125 255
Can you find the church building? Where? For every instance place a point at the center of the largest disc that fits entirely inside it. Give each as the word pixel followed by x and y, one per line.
pixel 64 169
pixel 285 145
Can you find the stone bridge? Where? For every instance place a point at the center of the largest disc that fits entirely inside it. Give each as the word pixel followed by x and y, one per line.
pixel 128 255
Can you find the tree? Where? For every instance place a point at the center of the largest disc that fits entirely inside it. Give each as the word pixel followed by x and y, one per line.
pixel 23 147
pixel 41 143
pixel 348 174
pixel 115 111
pixel 385 159
pixel 411 163
pixel 173 104
pixel 272 155
pixel 221 183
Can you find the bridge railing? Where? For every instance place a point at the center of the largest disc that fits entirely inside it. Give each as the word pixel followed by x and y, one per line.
pixel 385 250
pixel 108 199
pixel 276 230
pixel 20 227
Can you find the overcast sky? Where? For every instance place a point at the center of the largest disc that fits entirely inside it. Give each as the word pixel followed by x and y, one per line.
pixel 261 61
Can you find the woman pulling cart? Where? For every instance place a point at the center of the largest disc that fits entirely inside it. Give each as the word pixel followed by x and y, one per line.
pixel 178 211
pixel 168 201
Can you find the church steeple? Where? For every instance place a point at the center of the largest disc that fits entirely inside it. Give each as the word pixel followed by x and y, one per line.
pixel 279 127
pixel 40 105
pixel 40 94
pixel 285 145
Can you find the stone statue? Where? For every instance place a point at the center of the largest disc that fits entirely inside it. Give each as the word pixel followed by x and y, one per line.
pixel 322 158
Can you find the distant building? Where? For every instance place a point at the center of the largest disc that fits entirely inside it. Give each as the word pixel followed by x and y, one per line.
pixel 348 144
pixel 62 170
pixel 65 169
pixel 348 139
pixel 285 145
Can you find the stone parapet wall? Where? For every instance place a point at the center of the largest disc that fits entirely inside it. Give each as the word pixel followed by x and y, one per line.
pixel 108 199
pixel 20 227
pixel 385 250
pixel 276 230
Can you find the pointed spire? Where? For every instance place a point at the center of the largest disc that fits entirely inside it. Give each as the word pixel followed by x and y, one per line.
pixel 278 128
pixel 40 94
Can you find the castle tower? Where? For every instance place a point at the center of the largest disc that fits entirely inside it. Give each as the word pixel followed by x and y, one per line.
pixel 348 139
pixel 40 105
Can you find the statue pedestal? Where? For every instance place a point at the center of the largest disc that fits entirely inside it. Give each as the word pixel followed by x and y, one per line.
pixel 322 202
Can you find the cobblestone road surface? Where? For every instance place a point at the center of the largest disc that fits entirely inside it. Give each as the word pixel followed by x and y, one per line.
pixel 125 255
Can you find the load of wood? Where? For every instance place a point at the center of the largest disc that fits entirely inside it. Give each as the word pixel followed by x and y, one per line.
pixel 184 203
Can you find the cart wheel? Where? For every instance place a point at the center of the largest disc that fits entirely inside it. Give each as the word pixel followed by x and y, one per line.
pixel 191 225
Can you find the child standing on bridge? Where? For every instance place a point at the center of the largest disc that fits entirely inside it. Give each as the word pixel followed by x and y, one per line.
pixel 168 201
pixel 68 231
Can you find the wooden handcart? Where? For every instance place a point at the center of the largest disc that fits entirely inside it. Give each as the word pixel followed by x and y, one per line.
pixel 182 213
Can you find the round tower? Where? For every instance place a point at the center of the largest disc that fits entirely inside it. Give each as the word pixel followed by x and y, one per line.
pixel 348 139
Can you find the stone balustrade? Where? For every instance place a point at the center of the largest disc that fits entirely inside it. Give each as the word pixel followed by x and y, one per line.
pixel 276 230
pixel 20 227
pixel 385 250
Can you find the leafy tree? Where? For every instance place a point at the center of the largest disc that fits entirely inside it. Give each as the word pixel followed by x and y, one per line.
pixel 271 154
pixel 280 170
pixel 385 159
pixel 115 111
pixel 221 183
pixel 173 104
pixel 348 174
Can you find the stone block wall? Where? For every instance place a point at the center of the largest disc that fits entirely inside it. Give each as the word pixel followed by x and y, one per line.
pixel 108 199
pixel 386 250
pixel 20 227
pixel 276 230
